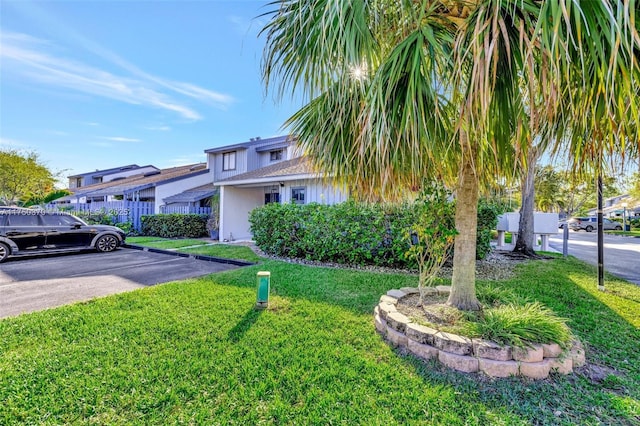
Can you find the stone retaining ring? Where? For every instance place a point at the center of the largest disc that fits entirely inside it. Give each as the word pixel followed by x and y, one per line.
pixel 470 355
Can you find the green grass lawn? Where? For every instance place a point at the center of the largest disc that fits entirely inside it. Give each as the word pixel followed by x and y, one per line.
pixel 225 251
pixel 197 352
pixel 508 236
pixel 166 243
pixel 632 233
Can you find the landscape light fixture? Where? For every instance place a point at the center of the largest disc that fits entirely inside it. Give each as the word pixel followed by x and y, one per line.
pixel 264 283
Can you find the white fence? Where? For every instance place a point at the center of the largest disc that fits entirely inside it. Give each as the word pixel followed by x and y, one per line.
pixel 185 210
pixel 122 211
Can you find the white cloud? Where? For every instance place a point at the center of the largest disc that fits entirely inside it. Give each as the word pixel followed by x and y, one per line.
pixel 159 128
pixel 184 160
pixel 120 139
pixel 23 54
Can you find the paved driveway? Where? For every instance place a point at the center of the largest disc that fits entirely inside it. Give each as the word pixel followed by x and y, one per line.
pixel 32 284
pixel 621 254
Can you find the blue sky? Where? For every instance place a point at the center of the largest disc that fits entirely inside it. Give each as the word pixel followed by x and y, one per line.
pixel 99 84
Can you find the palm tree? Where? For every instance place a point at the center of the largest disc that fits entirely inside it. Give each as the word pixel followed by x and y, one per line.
pixel 550 189
pixel 402 90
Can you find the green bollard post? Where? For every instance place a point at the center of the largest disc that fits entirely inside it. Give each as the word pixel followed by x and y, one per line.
pixel 264 282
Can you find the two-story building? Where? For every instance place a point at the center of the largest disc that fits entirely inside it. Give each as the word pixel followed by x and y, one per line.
pixel 260 171
pixel 149 184
pixel 107 175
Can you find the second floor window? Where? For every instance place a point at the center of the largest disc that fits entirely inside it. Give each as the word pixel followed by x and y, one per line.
pixel 229 161
pixel 275 155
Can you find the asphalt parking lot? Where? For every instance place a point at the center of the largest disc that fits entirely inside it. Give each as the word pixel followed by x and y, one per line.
pixel 36 283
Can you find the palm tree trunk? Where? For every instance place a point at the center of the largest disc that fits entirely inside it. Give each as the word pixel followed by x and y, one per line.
pixel 524 243
pixel 463 282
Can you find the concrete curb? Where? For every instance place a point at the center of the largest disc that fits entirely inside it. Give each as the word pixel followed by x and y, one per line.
pixel 193 256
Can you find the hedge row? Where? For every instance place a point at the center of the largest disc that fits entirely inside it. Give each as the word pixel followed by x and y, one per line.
pixel 347 233
pixel 174 225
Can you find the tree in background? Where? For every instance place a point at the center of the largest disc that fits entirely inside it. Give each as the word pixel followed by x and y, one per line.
pixel 634 187
pixel 551 193
pixel 23 175
pixel 561 191
pixel 400 91
pixel 524 242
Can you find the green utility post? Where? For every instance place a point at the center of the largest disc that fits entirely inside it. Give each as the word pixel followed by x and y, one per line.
pixel 264 282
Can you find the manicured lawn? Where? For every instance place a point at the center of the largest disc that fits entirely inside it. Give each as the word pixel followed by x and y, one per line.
pixel 225 251
pixel 144 240
pixel 197 352
pixel 507 236
pixel 632 233
pixel 166 243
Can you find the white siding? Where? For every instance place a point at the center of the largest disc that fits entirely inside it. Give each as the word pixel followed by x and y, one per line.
pixel 316 192
pixel 264 158
pixel 241 165
pixel 248 159
pixel 176 187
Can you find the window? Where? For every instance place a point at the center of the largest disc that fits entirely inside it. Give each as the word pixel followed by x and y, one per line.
pixel 275 155
pixel 298 195
pixel 23 220
pixel 273 197
pixel 59 220
pixel 229 161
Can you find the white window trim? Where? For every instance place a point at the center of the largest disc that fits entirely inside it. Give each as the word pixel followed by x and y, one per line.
pixel 304 192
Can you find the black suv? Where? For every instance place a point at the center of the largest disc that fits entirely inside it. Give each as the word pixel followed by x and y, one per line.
pixel 28 231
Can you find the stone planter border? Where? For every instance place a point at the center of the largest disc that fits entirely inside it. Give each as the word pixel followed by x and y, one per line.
pixel 470 355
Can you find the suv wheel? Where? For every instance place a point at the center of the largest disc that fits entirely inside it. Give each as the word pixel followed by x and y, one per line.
pixel 589 228
pixel 4 251
pixel 618 228
pixel 107 243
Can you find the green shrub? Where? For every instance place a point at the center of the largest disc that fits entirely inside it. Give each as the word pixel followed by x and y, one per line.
pixel 96 217
pixel 128 228
pixel 487 222
pixel 521 326
pixel 174 225
pixel 347 233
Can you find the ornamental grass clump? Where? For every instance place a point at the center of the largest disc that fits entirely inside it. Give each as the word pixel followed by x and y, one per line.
pixel 497 295
pixel 522 326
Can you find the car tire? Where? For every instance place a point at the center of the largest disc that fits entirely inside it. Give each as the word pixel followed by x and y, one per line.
pixel 589 228
pixel 618 228
pixel 4 252
pixel 107 243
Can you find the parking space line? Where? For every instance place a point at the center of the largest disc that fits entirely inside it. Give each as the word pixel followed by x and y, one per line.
pixel 134 265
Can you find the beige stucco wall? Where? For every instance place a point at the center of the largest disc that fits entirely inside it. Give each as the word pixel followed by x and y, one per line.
pixel 235 205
